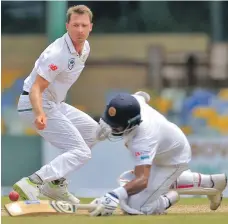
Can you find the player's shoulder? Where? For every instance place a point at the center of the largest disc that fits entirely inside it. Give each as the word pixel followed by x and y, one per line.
pixel 55 52
pixel 146 132
pixel 138 142
pixel 56 48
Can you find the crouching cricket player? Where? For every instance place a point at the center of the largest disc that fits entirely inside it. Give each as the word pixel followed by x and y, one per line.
pixel 161 153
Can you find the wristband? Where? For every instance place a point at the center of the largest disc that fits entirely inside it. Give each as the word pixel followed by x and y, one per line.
pixel 121 193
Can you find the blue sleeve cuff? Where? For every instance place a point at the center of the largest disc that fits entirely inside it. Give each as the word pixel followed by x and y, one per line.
pixel 114 195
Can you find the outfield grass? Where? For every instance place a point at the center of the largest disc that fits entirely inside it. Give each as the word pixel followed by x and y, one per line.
pixel 206 217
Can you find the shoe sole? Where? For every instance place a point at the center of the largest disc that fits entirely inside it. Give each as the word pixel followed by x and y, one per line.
pixel 213 209
pixel 22 194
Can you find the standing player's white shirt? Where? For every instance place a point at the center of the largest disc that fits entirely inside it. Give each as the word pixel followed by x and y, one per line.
pixel 60 65
pixel 156 140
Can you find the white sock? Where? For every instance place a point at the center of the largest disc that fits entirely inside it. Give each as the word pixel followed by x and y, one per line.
pixel 35 179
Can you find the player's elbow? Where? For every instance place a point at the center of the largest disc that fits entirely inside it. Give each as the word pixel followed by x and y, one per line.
pixel 88 155
pixel 144 182
pixel 40 84
pixel 36 89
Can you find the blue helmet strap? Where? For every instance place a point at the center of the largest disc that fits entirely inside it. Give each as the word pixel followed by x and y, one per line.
pixel 134 121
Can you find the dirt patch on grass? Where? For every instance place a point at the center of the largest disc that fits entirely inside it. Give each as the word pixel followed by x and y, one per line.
pixel 186 209
pixel 177 209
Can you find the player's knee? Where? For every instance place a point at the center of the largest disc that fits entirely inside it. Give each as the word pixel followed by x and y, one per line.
pixel 92 140
pixel 84 154
pixel 87 155
pixel 89 134
pixel 80 151
pixel 153 208
pixel 135 202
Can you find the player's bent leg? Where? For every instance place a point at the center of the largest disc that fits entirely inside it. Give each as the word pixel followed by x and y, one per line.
pixel 190 179
pixel 85 124
pixel 76 154
pixel 26 189
pixel 61 133
pixel 192 183
pixel 156 198
pixel 57 190
pixel 159 206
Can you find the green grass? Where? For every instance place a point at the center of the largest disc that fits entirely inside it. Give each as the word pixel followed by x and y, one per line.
pixel 204 218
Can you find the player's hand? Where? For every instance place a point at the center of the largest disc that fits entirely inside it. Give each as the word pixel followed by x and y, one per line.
pixel 103 131
pixel 110 204
pixel 41 121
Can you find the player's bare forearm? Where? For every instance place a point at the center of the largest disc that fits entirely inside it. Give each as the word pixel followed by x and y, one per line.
pixel 136 185
pixel 35 96
pixel 142 174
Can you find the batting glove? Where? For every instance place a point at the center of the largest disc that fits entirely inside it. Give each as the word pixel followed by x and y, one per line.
pixel 103 131
pixel 110 203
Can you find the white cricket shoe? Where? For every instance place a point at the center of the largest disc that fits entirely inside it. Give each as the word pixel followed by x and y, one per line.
pixel 58 192
pixel 26 189
pixel 173 198
pixel 220 183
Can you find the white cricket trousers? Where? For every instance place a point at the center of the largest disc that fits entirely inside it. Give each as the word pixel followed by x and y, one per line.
pixel 149 200
pixel 68 129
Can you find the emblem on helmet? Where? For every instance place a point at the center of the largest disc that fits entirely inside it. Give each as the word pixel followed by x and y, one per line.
pixel 112 111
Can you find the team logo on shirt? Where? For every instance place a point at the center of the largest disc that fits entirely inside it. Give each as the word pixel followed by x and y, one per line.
pixel 138 154
pixel 141 155
pixel 112 111
pixel 144 157
pixel 71 63
pixel 53 67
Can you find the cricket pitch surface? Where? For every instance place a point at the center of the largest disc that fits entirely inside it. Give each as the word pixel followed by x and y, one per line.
pixel 188 210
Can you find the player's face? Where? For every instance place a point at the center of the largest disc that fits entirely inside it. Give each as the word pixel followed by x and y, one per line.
pixel 79 27
pixel 117 131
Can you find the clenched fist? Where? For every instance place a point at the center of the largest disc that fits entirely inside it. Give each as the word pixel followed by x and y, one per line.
pixel 41 121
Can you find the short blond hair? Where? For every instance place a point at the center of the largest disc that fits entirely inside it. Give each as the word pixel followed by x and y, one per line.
pixel 79 9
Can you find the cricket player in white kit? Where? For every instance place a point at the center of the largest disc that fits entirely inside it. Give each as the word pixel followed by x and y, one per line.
pixel 42 106
pixel 161 153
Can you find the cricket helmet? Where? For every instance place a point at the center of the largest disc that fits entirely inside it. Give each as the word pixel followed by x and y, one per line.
pixel 122 113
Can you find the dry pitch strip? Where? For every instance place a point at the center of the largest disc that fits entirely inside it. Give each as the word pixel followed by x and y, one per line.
pixel 48 208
